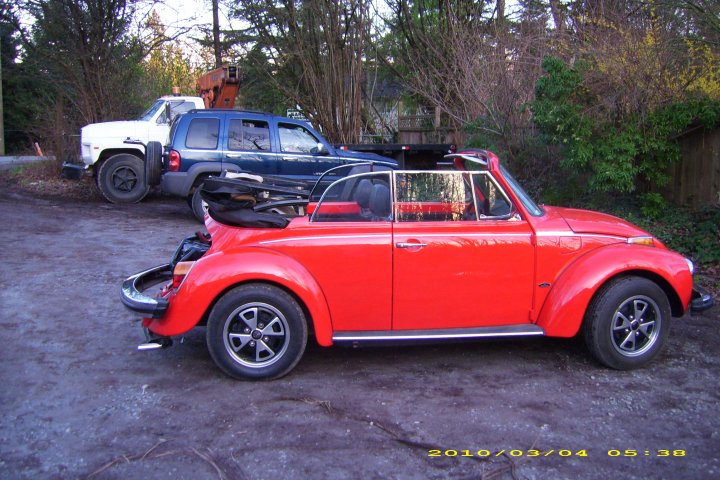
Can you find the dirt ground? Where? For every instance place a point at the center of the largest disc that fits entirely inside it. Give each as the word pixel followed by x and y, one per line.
pixel 79 401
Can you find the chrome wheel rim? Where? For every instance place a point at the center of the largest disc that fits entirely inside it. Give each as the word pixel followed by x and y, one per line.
pixel 256 335
pixel 635 326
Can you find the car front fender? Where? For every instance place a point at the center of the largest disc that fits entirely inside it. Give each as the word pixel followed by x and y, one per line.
pixel 215 273
pixel 563 311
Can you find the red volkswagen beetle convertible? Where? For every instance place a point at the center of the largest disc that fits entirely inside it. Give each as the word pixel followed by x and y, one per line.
pixel 390 256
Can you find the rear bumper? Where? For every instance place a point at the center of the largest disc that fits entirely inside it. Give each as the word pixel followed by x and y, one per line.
pixel 701 300
pixel 133 296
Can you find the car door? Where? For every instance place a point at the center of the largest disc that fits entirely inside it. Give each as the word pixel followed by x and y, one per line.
pixel 461 258
pixel 248 146
pixel 299 153
pixel 346 246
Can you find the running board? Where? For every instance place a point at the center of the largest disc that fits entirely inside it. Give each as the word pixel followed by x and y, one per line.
pixel 439 334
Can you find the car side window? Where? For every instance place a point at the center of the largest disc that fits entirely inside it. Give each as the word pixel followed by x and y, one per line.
pixel 203 133
pixel 433 197
pixel 357 198
pixel 491 199
pixel 296 139
pixel 248 135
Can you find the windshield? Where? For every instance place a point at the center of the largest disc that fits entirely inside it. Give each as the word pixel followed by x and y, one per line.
pixel 522 195
pixel 150 112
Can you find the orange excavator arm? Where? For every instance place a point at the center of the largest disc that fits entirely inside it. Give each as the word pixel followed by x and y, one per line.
pixel 218 88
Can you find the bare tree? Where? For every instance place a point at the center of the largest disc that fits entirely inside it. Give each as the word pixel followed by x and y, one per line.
pixel 315 51
pixel 465 58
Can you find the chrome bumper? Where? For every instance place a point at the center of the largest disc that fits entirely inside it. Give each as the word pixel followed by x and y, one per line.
pixel 134 299
pixel 701 300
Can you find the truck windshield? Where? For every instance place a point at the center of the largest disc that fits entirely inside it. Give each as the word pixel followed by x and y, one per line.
pixel 150 112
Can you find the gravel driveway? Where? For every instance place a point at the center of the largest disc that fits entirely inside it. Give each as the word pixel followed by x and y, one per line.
pixel 79 401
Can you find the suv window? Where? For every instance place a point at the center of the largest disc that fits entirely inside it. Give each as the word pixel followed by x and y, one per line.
pixel 203 133
pixel 294 138
pixel 248 135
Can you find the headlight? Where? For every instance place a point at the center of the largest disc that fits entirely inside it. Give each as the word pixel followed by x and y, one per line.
pixel 690 266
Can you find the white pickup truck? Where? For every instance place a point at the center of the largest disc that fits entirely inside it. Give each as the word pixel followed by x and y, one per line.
pixel 118 167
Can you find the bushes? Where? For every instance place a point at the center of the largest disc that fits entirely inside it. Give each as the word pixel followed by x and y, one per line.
pixel 606 151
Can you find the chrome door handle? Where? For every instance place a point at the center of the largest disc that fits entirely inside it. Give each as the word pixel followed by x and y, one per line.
pixel 410 245
pixel 234 155
pixel 289 158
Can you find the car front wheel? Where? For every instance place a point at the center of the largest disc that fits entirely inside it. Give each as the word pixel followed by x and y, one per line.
pixel 627 323
pixel 256 331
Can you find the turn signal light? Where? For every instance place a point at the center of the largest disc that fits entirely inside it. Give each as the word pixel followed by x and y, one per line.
pixel 181 269
pixel 641 241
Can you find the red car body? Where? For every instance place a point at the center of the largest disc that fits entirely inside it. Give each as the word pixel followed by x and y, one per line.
pixel 527 271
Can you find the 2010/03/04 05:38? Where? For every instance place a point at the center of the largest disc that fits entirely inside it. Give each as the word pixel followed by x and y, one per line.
pixel 547 453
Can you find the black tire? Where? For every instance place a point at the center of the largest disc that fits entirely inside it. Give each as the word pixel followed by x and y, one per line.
pixel 121 179
pixel 256 331
pixel 196 204
pixel 153 163
pixel 627 323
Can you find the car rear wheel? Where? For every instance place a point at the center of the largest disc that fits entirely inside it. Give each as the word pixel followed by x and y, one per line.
pixel 627 323
pixel 256 331
pixel 121 179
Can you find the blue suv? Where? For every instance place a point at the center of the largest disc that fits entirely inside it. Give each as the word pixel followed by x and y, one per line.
pixel 208 142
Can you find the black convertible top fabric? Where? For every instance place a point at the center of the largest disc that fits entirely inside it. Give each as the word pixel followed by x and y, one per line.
pixel 232 204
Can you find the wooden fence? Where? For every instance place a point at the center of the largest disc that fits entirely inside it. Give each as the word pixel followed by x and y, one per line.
pixel 695 180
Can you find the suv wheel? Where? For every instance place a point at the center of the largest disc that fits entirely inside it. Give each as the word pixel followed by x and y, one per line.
pixel 121 179
pixel 197 205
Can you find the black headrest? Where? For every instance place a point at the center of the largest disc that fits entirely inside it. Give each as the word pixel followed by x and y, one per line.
pixel 380 200
pixel 362 193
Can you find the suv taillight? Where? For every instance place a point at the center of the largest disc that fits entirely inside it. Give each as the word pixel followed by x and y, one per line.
pixel 173 161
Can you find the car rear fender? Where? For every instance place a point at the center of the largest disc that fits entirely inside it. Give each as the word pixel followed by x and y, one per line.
pixel 218 272
pixel 564 308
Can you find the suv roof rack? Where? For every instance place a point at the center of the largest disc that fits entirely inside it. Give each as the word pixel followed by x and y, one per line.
pixel 233 110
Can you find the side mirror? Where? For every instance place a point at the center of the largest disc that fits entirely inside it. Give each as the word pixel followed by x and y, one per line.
pixel 165 117
pixel 320 149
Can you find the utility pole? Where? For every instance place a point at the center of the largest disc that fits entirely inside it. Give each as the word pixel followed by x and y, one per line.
pixel 216 34
pixel 2 113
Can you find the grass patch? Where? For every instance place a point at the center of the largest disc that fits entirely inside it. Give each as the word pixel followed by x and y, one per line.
pixel 43 178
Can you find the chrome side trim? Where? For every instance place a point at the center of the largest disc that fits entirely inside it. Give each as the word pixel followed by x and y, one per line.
pixel 439 334
pixel 324 237
pixel 573 234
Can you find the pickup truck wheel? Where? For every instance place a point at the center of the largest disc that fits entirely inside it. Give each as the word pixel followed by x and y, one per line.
pixel 197 205
pixel 121 179
pixel 627 323
pixel 256 331
pixel 153 163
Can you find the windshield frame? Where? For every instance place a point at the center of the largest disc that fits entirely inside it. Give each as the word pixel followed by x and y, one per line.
pixel 150 112
pixel 530 206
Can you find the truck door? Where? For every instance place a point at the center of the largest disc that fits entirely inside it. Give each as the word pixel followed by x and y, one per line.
pixel 249 148
pixel 299 155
